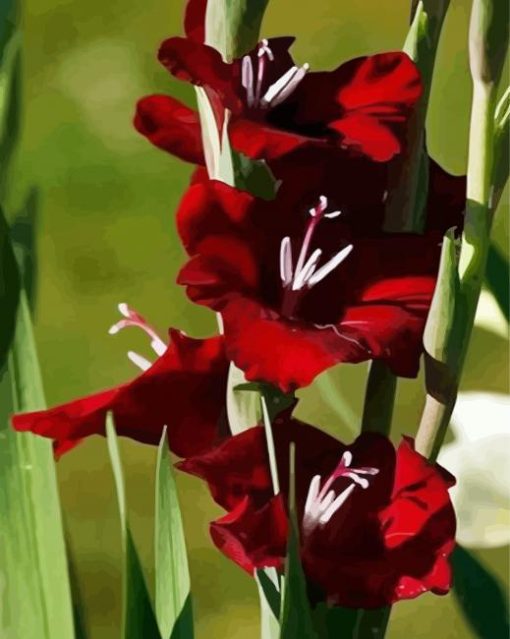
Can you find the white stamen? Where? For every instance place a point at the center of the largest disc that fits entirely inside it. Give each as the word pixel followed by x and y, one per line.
pixel 332 509
pixel 306 271
pixel 347 458
pixel 357 480
pixel 286 261
pixel 132 318
pixel 329 266
pixel 247 79
pixel 323 203
pixel 276 95
pixel 124 309
pixel 333 214
pixel 321 503
pixel 159 347
pixel 139 361
pixel 265 49
pixel 313 492
pixel 278 86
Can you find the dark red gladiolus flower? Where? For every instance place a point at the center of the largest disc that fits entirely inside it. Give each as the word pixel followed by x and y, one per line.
pixel 184 389
pixel 376 525
pixel 305 281
pixel 362 106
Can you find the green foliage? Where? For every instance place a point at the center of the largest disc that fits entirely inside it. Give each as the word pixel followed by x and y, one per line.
pixel 9 12
pixel 36 601
pixel 480 596
pixel 173 593
pixel 233 26
pixel 23 236
pixel 138 619
pixel 295 617
pixel 9 291
pixel 442 338
pixel 254 176
pixel 497 278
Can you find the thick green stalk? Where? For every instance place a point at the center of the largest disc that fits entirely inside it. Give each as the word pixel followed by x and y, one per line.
pixel 488 45
pixel 409 174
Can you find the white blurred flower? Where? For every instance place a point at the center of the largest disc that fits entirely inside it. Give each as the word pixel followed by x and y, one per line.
pixel 480 460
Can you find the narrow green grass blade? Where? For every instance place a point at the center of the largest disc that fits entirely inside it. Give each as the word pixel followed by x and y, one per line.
pixel 138 618
pixel 9 291
pixel 296 617
pixel 173 590
pixel 9 13
pixel 36 599
pixel 480 596
pixel 23 236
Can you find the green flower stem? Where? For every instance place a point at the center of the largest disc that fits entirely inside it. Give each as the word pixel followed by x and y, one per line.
pixel 372 624
pixel 488 45
pixel 379 399
pixel 408 176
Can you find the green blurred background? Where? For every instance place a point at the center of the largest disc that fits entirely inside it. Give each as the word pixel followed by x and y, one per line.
pixel 106 235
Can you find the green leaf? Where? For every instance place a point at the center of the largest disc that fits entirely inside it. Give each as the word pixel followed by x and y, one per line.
pixel 480 596
pixel 408 175
pixel 269 590
pixel 296 616
pixel 9 15
pixel 173 592
pixel 10 110
pixel 233 26
pixel 9 291
pixel 442 339
pixel 276 401
pixel 254 176
pixel 501 146
pixel 497 277
pixel 138 619
pixel 36 600
pixel 23 235
pixel 80 623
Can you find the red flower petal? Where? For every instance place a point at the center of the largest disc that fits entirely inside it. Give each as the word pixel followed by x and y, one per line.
pixel 184 389
pixel 261 141
pixel 194 20
pixel 171 126
pixel 242 534
pixel 367 135
pixel 201 65
pixel 420 492
pixel 382 86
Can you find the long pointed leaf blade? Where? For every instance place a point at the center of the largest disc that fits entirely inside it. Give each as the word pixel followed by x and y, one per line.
pixel 296 617
pixel 173 590
pixel 32 550
pixel 138 618
pixel 480 596
pixel 9 291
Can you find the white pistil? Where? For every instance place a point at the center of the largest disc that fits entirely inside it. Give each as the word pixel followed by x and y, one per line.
pixel 132 318
pixel 306 274
pixel 322 503
pixel 252 80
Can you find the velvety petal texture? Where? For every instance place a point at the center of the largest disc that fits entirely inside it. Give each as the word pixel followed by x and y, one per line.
pixel 184 390
pixel 389 539
pixel 171 126
pixel 373 305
